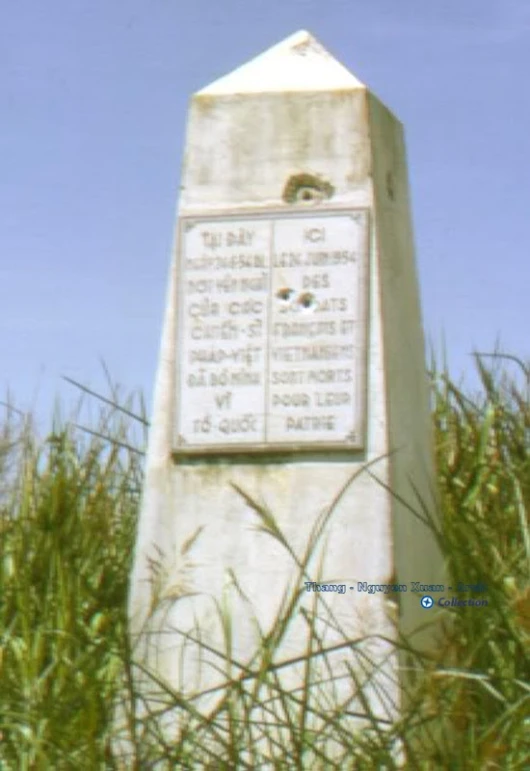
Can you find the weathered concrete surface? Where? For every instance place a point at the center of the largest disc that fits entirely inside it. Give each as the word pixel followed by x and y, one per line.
pixel 295 111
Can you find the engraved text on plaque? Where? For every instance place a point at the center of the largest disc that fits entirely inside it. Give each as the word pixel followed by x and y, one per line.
pixel 272 332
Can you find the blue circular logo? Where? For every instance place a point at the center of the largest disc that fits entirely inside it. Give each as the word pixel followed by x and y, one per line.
pixel 427 602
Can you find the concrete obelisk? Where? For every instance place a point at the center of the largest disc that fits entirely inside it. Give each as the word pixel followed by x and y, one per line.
pixel 291 380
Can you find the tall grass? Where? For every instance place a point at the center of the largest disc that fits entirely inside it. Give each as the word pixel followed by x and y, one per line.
pixel 67 520
pixel 483 461
pixel 68 507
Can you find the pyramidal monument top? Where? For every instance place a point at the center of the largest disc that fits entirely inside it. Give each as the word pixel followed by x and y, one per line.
pixel 298 63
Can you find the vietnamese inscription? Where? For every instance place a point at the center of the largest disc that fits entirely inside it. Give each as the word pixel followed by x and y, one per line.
pixel 272 331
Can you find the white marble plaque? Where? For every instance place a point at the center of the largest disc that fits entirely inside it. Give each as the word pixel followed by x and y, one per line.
pixel 272 332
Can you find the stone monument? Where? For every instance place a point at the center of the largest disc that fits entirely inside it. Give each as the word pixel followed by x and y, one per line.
pixel 291 388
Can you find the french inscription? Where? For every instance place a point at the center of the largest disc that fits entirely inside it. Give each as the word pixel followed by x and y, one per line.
pixel 272 331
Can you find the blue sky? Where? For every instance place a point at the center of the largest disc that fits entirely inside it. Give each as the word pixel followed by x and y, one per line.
pixel 94 99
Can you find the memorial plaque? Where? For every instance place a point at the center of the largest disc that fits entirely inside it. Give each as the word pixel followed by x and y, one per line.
pixel 272 331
